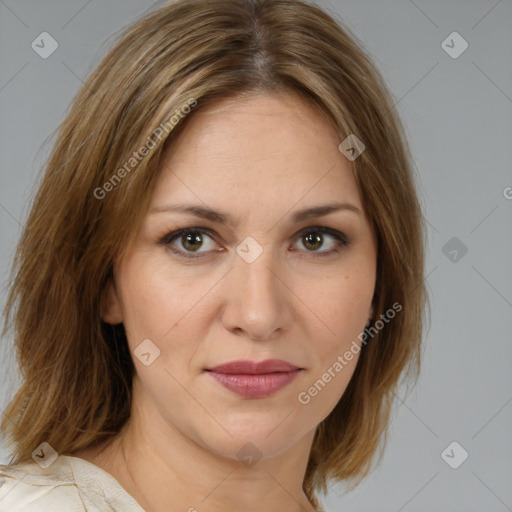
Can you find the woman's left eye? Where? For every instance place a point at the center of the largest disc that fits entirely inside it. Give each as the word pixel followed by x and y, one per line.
pixel 189 242
pixel 314 238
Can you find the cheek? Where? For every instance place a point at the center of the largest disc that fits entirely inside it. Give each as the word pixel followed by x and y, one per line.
pixel 343 305
pixel 146 301
pixel 161 305
pixel 343 308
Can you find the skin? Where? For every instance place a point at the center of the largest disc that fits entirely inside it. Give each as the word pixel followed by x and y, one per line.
pixel 258 158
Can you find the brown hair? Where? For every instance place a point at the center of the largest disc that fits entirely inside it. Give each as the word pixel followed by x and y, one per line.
pixel 77 370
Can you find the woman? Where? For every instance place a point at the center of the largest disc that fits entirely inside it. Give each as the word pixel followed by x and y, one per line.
pixel 220 282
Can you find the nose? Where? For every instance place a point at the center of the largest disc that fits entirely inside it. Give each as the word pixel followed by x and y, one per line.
pixel 258 300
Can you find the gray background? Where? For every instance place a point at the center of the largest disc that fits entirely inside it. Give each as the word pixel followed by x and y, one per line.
pixel 458 114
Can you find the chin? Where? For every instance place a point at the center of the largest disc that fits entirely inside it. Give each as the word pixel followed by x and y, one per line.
pixel 247 441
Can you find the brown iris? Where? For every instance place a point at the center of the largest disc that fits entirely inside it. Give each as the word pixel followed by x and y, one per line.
pixel 192 241
pixel 313 241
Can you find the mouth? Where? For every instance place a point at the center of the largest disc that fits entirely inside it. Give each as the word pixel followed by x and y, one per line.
pixel 251 379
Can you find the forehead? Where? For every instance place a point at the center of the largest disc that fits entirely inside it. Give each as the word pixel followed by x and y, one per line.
pixel 262 149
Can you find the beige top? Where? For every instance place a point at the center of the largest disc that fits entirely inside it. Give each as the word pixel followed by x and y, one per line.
pixel 69 484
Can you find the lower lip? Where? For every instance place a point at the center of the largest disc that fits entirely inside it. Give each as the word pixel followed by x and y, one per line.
pixel 255 386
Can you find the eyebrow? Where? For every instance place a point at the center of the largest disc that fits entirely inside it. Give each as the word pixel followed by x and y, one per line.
pixel 224 218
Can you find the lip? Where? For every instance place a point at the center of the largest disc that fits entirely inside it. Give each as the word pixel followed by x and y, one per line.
pixel 252 379
pixel 249 367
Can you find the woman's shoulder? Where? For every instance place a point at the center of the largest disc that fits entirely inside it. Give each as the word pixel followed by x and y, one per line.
pixel 69 484
pixel 30 487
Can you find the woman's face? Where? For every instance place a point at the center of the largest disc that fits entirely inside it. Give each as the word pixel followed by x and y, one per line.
pixel 254 276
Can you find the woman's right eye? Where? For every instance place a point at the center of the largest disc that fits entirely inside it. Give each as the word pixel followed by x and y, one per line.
pixel 188 242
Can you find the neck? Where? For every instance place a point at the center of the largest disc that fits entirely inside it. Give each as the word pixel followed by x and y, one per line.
pixel 166 470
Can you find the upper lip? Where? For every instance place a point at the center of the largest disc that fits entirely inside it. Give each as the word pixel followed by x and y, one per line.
pixel 254 367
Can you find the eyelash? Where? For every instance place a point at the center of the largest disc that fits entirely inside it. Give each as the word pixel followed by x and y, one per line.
pixel 340 238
